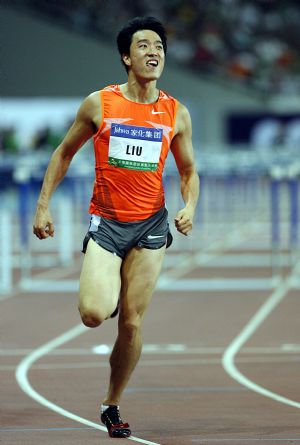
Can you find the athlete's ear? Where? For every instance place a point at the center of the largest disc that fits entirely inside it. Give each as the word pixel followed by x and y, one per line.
pixel 126 59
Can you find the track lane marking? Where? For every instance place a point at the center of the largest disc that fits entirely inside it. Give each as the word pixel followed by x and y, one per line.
pixel 234 238
pixel 153 363
pixel 26 364
pixel 228 358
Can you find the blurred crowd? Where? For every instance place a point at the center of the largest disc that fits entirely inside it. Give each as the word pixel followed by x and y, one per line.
pixel 251 43
pixel 43 139
pixel 254 44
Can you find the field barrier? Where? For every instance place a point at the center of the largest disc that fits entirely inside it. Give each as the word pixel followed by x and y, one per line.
pixel 271 202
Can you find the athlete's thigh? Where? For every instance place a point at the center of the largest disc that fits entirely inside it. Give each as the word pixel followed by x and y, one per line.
pixel 100 279
pixel 140 271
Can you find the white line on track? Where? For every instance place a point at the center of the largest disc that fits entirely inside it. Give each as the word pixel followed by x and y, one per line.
pixel 29 360
pixel 228 359
pixel 153 362
pixel 163 349
pixel 234 238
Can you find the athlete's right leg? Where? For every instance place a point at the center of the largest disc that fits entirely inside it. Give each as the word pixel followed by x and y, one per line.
pixel 100 284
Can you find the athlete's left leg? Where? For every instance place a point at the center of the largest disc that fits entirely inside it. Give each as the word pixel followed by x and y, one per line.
pixel 140 270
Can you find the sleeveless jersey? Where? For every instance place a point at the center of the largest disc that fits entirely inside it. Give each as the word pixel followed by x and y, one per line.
pixel 131 147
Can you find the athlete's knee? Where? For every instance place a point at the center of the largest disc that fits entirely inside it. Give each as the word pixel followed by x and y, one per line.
pixel 130 326
pixel 90 316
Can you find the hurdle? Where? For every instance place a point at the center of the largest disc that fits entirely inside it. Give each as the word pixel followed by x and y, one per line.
pixel 22 177
pixel 6 259
pixel 54 252
pixel 284 183
pixel 293 184
pixel 32 255
pixel 276 176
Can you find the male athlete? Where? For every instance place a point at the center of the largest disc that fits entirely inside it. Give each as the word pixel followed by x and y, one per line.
pixel 133 125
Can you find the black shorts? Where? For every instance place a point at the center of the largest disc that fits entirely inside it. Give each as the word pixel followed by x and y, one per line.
pixel 119 237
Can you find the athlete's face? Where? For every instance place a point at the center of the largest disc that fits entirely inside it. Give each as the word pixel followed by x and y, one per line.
pixel 147 57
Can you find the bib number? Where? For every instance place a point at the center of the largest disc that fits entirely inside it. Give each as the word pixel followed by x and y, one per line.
pixel 134 148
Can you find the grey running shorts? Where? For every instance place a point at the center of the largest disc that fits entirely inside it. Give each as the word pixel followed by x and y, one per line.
pixel 119 237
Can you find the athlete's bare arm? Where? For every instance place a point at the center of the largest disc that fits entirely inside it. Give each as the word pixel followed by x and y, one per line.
pixel 182 149
pixel 87 122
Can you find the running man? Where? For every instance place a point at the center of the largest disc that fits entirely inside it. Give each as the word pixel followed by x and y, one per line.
pixel 133 126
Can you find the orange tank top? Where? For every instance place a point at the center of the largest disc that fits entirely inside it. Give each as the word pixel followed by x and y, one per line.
pixel 131 147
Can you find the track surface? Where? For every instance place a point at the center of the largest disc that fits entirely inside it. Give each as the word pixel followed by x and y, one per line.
pixel 180 394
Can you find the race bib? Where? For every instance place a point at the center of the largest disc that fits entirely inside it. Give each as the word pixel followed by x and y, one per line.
pixel 134 148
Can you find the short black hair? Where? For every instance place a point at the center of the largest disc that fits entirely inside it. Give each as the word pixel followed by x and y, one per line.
pixel 124 37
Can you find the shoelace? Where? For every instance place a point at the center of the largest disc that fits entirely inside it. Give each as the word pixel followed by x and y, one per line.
pixel 113 414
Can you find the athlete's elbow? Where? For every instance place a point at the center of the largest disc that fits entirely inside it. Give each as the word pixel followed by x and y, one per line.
pixel 188 171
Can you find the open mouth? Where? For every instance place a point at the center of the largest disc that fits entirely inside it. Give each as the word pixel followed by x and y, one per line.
pixel 152 63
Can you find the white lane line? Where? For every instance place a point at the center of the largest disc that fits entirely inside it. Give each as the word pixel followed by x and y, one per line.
pixel 29 360
pixel 228 358
pixel 162 349
pixel 154 363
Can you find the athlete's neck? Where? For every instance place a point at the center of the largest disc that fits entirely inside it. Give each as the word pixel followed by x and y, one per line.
pixel 145 93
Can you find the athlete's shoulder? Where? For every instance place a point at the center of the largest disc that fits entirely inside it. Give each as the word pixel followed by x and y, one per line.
pixel 183 110
pixel 90 101
pixel 115 88
pixel 90 109
pixel 163 95
pixel 183 119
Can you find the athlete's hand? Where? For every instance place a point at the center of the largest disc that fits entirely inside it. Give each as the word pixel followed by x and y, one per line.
pixel 184 220
pixel 43 226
